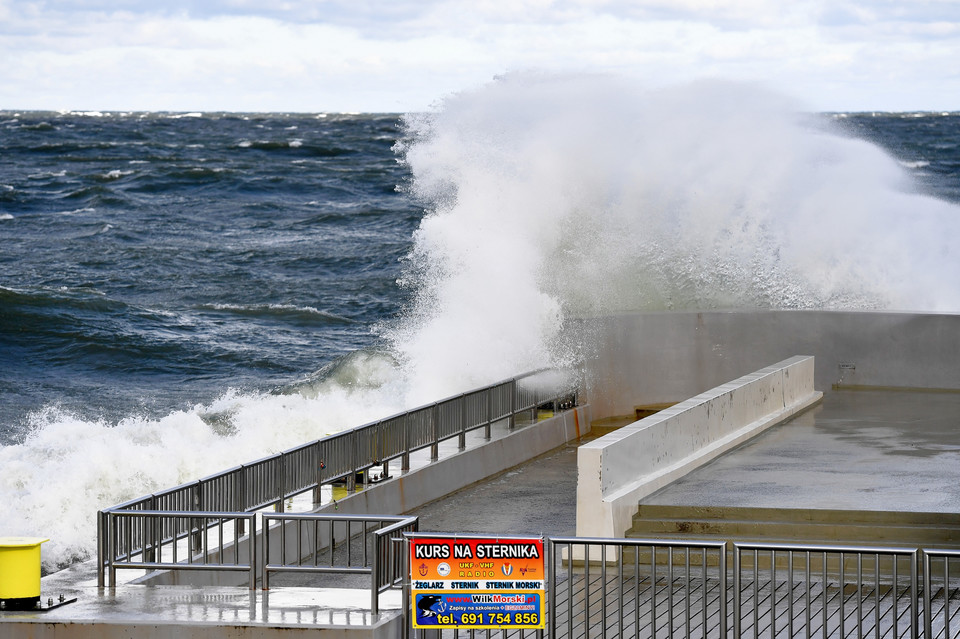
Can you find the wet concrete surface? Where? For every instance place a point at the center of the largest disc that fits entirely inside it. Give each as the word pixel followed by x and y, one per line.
pixel 861 450
pixel 538 497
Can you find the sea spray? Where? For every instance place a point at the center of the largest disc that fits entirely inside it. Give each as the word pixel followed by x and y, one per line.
pixel 553 197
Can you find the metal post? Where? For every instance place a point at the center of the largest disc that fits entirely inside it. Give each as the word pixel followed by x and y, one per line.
pixel 486 428
pixel 352 478
pixel 281 480
pixel 462 438
pixel 101 554
pixel 927 599
pixel 434 426
pixel 513 403
pixel 407 435
pixel 111 548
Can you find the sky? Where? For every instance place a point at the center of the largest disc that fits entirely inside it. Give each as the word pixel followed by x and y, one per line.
pixel 407 55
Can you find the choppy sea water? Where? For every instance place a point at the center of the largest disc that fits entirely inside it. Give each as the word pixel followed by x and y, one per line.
pixel 182 292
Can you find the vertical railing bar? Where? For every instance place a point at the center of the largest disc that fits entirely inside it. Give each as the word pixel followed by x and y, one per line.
pixel 723 591
pixel 620 591
pixel 876 593
pixel 915 597
pixel 316 541
pixel 653 591
pixel 551 577
pixel 927 597
pixel 350 542
pixel 703 590
pixel 670 592
pixel 843 588
pixel 686 608
pixel 896 594
pixel 331 543
pixel 569 590
pixel 283 540
pixel 112 545
pixel 859 595
pixel 299 557
pixel 807 586
pixel 636 592
pixel 736 593
pixel 946 596
pixel 773 594
pixel 603 591
pixel 756 593
pixel 823 567
pixel 586 590
pixel 790 592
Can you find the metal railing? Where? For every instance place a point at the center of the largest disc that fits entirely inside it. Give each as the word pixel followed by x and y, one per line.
pixel 337 458
pixel 825 591
pixel 625 588
pixel 637 588
pixel 170 540
pixel 341 544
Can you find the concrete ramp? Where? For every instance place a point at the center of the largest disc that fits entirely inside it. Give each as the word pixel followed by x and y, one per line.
pixel 618 469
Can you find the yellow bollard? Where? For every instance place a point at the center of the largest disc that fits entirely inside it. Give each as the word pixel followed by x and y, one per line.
pixel 20 572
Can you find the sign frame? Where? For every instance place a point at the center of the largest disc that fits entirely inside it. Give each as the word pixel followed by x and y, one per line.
pixel 473 582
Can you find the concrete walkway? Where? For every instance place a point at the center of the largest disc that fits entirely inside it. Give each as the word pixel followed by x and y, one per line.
pixel 858 450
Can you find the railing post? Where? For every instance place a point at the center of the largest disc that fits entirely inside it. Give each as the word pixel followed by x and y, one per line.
pixel 736 591
pixel 318 461
pixel 927 596
pixel 486 428
pixel 434 434
pixel 149 536
pixel 352 479
pixel 253 550
pixel 196 537
pixel 281 480
pixel 915 596
pixel 513 403
pixel 551 583
pixel 407 435
pixel 101 551
pixel 462 439
pixel 111 548
pixel 244 502
pixel 723 592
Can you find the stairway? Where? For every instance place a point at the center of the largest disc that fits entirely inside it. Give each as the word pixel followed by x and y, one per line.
pixel 798 526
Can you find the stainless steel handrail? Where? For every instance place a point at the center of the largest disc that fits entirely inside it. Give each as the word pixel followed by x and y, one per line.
pixel 316 534
pixel 875 568
pixel 341 456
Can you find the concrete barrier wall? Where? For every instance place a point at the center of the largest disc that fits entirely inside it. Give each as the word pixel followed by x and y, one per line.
pixel 648 358
pixel 618 469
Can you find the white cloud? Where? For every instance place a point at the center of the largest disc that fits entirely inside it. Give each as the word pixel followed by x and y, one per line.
pixel 377 55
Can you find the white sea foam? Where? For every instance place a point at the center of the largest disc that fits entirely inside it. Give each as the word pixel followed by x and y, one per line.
pixel 548 197
pixel 5 216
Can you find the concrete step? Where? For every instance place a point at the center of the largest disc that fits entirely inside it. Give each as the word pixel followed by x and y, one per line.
pixel 807 526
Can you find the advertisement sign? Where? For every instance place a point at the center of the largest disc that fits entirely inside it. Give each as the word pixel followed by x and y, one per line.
pixel 477 582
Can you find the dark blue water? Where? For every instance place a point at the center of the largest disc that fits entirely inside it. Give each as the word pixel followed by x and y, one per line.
pixel 150 261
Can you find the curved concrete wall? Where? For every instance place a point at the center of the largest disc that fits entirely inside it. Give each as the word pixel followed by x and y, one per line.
pixel 648 358
pixel 618 469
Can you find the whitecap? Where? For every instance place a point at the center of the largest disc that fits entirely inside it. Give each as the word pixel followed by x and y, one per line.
pixel 296 144
pixel 5 216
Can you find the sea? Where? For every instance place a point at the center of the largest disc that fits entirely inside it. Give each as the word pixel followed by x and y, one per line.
pixel 182 292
